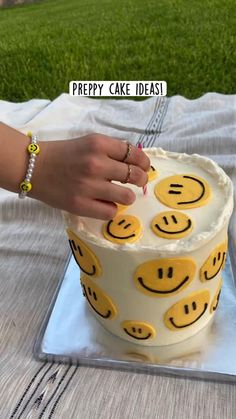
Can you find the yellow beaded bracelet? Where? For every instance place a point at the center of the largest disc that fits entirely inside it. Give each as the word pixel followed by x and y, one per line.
pixel 33 150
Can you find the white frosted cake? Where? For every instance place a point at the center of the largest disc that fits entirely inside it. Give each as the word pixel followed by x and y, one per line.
pixel 152 275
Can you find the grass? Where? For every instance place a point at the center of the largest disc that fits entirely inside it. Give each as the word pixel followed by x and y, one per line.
pixel 190 44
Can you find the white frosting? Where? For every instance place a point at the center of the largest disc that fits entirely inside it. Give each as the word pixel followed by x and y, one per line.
pixel 147 206
pixel 119 262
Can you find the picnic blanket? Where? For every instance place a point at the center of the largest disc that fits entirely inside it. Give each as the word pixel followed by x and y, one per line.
pixel 33 246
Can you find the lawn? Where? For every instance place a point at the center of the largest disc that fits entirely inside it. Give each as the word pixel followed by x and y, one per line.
pixel 190 44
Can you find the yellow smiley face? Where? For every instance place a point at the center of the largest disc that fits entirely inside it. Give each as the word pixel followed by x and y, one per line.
pixel 33 148
pixel 121 208
pixel 135 356
pixel 172 225
pixel 152 174
pixel 84 257
pixel 162 277
pixel 138 330
pixel 26 186
pixel 101 303
pixel 187 311
pixel 183 191
pixel 216 298
pixel 122 229
pixel 214 263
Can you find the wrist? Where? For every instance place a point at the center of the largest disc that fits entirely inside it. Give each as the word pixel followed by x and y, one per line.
pixel 13 158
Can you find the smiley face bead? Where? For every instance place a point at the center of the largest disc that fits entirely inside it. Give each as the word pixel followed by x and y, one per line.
pixel 25 186
pixel 33 148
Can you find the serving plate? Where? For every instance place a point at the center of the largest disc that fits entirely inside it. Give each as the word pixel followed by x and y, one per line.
pixel 71 334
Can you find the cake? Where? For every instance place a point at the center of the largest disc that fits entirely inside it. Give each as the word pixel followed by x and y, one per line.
pixel 152 274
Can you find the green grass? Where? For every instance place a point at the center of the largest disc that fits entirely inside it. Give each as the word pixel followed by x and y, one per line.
pixel 190 44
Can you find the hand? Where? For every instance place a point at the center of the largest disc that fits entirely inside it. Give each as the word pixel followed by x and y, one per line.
pixel 76 175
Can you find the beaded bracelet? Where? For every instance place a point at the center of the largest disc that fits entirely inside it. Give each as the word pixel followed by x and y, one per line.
pixel 33 150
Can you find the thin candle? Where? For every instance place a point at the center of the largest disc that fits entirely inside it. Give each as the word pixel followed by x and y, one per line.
pixel 144 187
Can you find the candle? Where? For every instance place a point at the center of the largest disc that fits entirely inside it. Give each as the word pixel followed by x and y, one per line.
pixel 144 187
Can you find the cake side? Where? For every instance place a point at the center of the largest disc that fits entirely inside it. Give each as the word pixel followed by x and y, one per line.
pixel 159 289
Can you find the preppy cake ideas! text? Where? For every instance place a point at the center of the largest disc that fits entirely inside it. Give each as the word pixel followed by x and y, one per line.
pixel 152 274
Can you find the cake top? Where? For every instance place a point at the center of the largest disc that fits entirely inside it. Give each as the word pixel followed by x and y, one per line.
pixel 189 199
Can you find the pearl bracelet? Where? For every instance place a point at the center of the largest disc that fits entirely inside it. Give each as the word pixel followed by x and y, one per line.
pixel 33 150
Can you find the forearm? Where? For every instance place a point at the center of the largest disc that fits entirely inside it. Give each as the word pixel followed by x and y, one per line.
pixel 75 176
pixel 13 157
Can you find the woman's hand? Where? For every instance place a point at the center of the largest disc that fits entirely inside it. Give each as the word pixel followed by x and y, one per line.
pixel 76 175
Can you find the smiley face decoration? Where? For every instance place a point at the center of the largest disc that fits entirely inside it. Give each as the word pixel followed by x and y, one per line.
pixel 172 225
pixel 183 191
pixel 216 298
pixel 123 229
pixel 83 255
pixel 138 330
pixel 152 174
pixel 214 263
pixel 163 277
pixel 138 291
pixel 178 192
pixel 100 302
pixel 187 311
